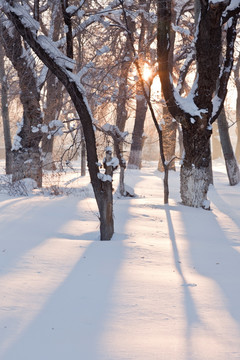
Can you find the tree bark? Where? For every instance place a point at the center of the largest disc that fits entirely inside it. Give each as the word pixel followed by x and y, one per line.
pixel 195 175
pixel 53 106
pixel 237 83
pixel 27 149
pixel 216 145
pixel 237 151
pixel 135 157
pixel 83 157
pixel 230 160
pixel 5 114
pixel 106 211
pixel 169 129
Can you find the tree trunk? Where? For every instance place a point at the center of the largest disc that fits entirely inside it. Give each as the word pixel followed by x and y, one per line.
pixel 83 157
pixel 195 170
pixel 106 211
pixel 27 164
pixel 169 129
pixel 53 107
pixel 27 143
pixel 122 190
pixel 5 114
pixel 230 160
pixel 135 157
pixel 54 95
pixel 102 191
pixel 216 145
pixel 237 152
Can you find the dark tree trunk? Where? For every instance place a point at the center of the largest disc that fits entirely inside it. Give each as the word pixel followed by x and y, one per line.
pixel 83 157
pixel 195 175
pixel 106 211
pixel 230 160
pixel 5 113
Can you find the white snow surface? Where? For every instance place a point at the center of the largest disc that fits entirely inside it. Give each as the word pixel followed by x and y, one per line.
pixel 166 286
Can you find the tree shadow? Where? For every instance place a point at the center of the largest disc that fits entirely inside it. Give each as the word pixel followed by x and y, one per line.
pixel 214 257
pixel 226 207
pixel 73 315
pixel 26 223
pixel 191 312
pixel 70 323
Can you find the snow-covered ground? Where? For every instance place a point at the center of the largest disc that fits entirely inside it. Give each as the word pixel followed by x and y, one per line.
pixel 167 287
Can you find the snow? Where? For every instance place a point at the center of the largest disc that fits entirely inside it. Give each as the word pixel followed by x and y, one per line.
pixel 234 4
pixel 17 139
pixel 180 30
pixel 216 102
pixel 104 177
pixel 23 13
pixel 51 49
pixel 187 104
pixel 113 162
pixel 107 148
pixel 103 50
pixel 165 287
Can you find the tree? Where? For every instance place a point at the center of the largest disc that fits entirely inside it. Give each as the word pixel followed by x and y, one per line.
pixel 228 153
pixel 197 112
pixel 53 99
pixel 61 66
pixel 143 40
pixel 26 153
pixel 237 82
pixel 5 113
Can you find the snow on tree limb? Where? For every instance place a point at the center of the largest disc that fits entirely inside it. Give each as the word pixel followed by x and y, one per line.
pixel 232 9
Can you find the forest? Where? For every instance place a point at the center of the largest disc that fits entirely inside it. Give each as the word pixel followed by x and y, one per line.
pixel 83 71
pixel 120 121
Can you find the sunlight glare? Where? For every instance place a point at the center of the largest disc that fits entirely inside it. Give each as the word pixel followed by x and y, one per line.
pixel 147 72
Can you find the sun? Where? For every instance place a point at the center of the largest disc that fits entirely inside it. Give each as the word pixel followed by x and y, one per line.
pixel 147 72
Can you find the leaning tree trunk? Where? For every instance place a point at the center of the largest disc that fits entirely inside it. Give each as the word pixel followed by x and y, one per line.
pixel 102 189
pixel 230 160
pixel 5 114
pixel 195 175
